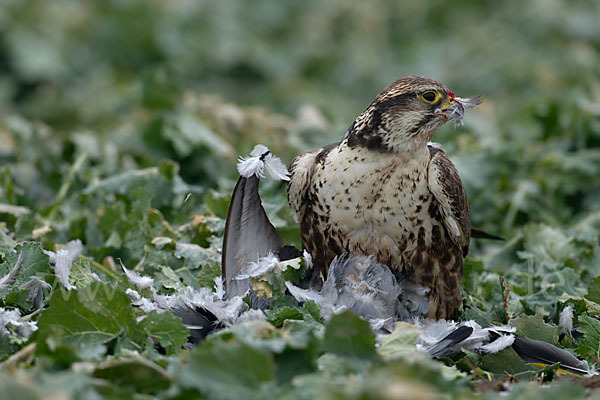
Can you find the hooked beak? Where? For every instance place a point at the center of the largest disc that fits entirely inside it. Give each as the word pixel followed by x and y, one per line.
pixel 453 109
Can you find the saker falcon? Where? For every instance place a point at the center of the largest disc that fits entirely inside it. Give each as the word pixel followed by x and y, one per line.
pixel 385 191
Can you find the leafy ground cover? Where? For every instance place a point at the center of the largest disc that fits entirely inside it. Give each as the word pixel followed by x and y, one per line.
pixel 120 125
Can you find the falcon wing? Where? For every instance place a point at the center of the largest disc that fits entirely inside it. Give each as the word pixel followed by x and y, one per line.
pixel 447 188
pixel 301 176
pixel 302 171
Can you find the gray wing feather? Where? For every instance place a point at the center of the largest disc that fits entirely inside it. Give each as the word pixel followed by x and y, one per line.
pixel 249 235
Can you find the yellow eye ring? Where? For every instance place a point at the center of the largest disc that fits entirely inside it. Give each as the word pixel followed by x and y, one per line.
pixel 430 96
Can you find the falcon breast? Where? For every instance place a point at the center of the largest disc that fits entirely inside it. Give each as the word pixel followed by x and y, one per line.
pixel 384 191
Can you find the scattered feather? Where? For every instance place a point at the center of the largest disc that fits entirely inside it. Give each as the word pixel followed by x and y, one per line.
pixel 62 267
pixel 8 317
pixel 141 282
pixel 435 145
pixel 219 287
pixel 307 259
pixel 259 268
pixel 276 168
pixel 10 277
pixel 250 166
pixel 63 259
pixel 35 286
pixel 565 320
pixel 250 315
pixel 470 102
pixel 21 328
pixel 25 329
pixel 260 159
pixel 143 303
pixel 497 345
pixel 73 249
pixel 304 295
pixel 35 282
pixel 432 332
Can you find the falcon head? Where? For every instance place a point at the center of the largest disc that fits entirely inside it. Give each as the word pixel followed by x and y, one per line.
pixel 404 116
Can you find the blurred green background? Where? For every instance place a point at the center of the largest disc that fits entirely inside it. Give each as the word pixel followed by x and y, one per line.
pixel 133 82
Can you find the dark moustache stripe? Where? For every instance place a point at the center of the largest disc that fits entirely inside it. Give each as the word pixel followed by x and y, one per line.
pixel 427 119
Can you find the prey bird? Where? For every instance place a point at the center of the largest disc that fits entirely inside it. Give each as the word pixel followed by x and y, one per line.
pixel 385 191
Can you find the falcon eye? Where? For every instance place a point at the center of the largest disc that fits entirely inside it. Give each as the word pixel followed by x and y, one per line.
pixel 429 96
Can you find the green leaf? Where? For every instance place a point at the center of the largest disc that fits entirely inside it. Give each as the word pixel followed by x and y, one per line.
pixel 262 335
pixel 81 274
pixel 14 389
pixel 35 262
pixel 135 372
pixel 278 317
pixel 557 391
pixel 400 342
pixel 347 335
pixel 6 348
pixel 196 256
pixel 95 315
pixel 534 327
pixel 310 308
pixel 167 329
pixel 228 370
pixel 594 290
pixel 206 276
pixel 506 360
pixel 589 344
pixel 169 279
pixel 6 243
pixel 186 132
pixel 218 204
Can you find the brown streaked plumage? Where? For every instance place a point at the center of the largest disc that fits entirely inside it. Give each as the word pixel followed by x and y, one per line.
pixel 383 191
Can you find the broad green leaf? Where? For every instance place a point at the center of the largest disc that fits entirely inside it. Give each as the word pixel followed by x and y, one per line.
pixel 16 389
pixel 195 256
pixel 347 335
pixel 285 313
pixel 506 361
pixel 534 327
pixel 589 344
pixel 35 262
pixel 228 371
pixel 594 290
pixel 530 390
pixel 81 274
pixel 97 314
pixel 167 329
pixel 135 372
pixel 400 342
pixel 6 243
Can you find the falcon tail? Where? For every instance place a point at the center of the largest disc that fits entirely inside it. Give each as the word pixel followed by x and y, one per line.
pixel 481 234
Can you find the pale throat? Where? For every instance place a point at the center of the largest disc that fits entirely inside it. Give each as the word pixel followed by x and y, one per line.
pixel 400 135
pixel 407 144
